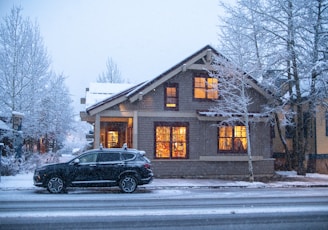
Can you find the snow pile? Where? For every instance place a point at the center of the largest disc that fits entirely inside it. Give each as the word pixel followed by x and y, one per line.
pixel 25 181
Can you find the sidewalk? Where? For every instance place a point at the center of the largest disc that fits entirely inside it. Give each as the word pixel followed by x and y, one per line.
pixel 286 180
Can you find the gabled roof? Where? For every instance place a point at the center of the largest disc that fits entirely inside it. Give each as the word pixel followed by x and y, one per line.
pixel 98 92
pixel 198 60
pixel 113 100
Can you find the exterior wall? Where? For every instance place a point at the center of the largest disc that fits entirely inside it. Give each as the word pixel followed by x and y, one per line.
pixel 210 169
pixel 318 161
pixel 316 149
pixel 206 133
pixel 154 101
pixel 322 139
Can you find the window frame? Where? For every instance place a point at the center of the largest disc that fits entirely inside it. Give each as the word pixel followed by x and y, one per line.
pixel 166 97
pixel 233 140
pixel 206 88
pixel 172 125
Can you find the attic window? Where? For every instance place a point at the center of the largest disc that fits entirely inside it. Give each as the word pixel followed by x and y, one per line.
pixel 205 88
pixel 171 97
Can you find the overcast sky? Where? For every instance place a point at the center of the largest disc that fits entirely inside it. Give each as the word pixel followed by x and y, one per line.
pixel 143 37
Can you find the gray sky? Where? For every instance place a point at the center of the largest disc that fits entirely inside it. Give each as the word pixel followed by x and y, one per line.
pixel 143 37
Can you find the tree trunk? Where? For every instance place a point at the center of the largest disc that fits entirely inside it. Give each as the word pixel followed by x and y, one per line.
pixel 288 164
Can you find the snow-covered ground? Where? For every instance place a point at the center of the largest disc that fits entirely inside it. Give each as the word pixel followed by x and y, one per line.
pixel 289 179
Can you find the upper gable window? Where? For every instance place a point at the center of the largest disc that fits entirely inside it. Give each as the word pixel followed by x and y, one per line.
pixel 205 87
pixel 171 97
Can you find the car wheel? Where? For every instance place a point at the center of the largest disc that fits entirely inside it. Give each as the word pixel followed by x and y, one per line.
pixel 55 185
pixel 128 184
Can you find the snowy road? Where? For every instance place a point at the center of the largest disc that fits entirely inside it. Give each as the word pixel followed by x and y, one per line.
pixel 301 208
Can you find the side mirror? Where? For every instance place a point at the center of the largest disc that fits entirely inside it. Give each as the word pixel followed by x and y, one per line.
pixel 76 161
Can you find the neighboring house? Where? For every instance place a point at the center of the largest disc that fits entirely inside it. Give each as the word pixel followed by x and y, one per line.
pixel 316 136
pixel 318 158
pixel 165 117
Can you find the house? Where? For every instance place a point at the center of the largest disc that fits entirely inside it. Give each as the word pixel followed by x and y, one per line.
pixel 165 117
pixel 315 133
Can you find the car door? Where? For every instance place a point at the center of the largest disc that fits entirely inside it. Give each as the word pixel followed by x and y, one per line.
pixel 110 166
pixel 85 169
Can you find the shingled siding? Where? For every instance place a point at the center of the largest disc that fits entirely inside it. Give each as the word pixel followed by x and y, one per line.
pixel 210 169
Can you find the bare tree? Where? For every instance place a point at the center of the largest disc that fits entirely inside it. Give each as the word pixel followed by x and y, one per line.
pixel 24 63
pixel 235 100
pixel 288 40
pixel 26 83
pixel 112 73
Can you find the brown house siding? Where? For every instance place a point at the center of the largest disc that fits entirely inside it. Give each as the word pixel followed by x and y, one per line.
pixel 206 132
pixel 210 169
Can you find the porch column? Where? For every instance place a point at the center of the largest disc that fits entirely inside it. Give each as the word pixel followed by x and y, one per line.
pixel 135 129
pixel 97 132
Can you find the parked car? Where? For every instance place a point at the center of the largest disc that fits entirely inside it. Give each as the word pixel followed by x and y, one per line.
pixel 126 168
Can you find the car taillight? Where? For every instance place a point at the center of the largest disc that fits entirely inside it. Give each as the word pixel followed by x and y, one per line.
pixel 147 166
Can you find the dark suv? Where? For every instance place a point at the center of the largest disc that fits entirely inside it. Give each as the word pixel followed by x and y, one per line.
pixel 126 168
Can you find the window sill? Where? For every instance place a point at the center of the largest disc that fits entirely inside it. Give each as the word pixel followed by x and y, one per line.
pixel 229 158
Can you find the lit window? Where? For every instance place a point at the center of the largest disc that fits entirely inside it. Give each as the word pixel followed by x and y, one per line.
pixel 171 141
pixel 171 97
pixel 232 139
pixel 205 88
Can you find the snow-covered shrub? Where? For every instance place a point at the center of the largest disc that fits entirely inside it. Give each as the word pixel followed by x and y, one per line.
pixel 9 165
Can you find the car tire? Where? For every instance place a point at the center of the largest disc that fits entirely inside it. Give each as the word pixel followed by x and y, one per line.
pixel 128 184
pixel 55 185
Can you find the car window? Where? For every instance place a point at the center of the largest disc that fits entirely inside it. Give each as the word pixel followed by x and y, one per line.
pixel 109 156
pixel 127 156
pixel 91 157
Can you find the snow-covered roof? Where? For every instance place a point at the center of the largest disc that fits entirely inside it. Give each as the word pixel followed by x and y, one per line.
pixel 100 91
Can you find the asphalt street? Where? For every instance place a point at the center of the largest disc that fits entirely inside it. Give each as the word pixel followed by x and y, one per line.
pixel 196 208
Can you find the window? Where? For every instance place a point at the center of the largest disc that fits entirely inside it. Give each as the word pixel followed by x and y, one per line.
pixel 128 156
pixel 232 139
pixel 89 158
pixel 171 97
pixel 171 140
pixel 109 156
pixel 205 88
